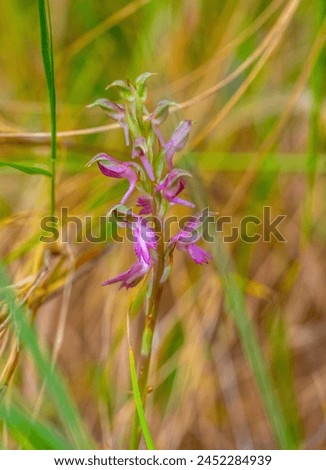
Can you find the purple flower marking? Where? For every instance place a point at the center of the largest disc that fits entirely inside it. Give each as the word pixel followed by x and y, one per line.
pixel 178 141
pixel 145 202
pixel 140 150
pixel 113 168
pixel 172 185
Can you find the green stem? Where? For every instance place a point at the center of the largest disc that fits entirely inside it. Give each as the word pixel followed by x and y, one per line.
pixel 53 165
pixel 48 63
pixel 147 337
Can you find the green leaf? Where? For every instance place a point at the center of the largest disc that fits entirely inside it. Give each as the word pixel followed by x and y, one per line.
pixel 30 170
pixel 30 434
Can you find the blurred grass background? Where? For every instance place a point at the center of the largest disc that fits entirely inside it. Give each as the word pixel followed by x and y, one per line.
pixel 239 359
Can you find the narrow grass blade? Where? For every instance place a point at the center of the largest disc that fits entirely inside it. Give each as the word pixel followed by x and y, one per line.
pixel 236 308
pixel 48 63
pixel 317 86
pixel 22 248
pixel 30 434
pixel 138 400
pixel 30 170
pixel 283 376
pixel 55 384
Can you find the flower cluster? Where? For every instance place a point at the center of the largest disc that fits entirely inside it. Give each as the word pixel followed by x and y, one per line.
pixel 152 171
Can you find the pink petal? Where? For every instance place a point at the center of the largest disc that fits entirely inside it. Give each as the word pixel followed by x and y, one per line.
pixel 183 202
pixel 131 277
pixel 148 167
pixel 199 255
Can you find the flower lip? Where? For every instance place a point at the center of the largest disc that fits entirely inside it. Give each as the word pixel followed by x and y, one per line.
pixel 199 255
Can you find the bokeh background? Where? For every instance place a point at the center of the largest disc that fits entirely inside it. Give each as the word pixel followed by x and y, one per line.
pixel 240 353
